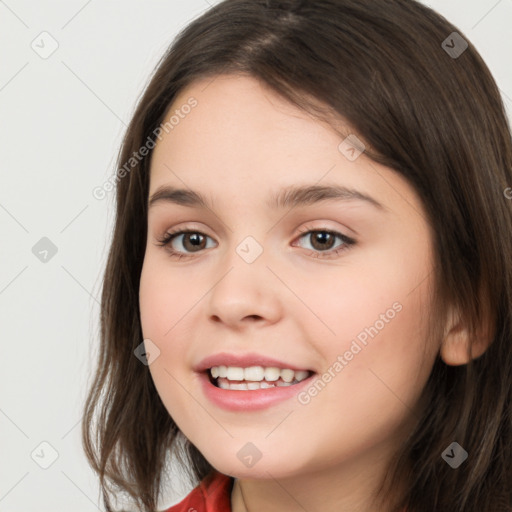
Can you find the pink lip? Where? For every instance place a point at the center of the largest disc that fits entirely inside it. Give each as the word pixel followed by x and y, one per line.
pixel 250 400
pixel 242 360
pixel 247 400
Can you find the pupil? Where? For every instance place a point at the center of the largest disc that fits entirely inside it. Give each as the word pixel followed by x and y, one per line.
pixel 194 238
pixel 322 236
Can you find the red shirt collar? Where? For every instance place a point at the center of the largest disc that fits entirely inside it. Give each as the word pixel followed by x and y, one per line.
pixel 213 494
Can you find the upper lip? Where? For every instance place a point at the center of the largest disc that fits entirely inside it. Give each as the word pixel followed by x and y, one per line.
pixel 243 361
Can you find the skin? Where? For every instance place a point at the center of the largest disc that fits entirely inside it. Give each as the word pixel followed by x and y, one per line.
pixel 238 144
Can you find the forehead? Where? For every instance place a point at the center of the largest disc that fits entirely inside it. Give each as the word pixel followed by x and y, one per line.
pixel 241 140
pixel 243 109
pixel 237 127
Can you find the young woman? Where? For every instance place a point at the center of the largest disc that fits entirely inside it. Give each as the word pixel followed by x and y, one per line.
pixel 308 296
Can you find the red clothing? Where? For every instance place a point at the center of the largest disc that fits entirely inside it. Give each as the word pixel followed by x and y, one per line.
pixel 213 494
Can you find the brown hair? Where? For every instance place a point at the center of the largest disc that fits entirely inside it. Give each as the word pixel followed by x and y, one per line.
pixel 434 117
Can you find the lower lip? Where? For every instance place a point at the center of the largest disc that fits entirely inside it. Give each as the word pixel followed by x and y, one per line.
pixel 250 400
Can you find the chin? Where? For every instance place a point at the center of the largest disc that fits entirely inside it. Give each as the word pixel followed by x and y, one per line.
pixel 275 466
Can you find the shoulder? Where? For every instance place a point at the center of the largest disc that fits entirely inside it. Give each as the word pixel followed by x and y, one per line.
pixel 213 494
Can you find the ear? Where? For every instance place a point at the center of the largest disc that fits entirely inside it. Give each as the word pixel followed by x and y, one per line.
pixel 454 348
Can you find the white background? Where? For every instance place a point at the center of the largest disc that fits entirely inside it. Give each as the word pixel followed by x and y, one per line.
pixel 62 119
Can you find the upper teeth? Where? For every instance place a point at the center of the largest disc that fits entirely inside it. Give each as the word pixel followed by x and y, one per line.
pixel 258 373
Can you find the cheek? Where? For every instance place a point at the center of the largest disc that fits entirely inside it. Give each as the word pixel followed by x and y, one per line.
pixel 374 369
pixel 375 317
pixel 168 301
pixel 164 298
pixel 163 301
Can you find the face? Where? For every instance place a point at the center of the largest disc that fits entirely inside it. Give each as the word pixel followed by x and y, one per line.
pixel 336 286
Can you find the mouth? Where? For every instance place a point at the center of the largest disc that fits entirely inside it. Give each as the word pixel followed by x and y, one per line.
pixel 254 378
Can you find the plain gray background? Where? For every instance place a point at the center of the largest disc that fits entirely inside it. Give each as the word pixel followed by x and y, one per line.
pixel 62 119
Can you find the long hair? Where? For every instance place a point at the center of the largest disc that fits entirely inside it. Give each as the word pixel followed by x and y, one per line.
pixel 425 106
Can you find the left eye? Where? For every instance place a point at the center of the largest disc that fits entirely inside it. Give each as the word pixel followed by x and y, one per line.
pixel 322 240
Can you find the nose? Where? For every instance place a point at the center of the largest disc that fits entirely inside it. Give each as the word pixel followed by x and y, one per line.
pixel 246 293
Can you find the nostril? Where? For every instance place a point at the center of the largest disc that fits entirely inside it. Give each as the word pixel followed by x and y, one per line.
pixel 253 317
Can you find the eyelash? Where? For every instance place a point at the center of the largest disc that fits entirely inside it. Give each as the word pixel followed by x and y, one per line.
pixel 347 242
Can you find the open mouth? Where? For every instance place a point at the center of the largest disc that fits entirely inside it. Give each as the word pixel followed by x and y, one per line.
pixel 255 377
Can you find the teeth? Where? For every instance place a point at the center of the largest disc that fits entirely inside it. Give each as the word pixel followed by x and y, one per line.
pixel 223 384
pixel 243 386
pixel 239 387
pixel 272 373
pixel 235 373
pixel 256 377
pixel 301 375
pixel 254 373
pixel 287 375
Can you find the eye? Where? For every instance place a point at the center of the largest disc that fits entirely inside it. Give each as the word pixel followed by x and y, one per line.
pixel 192 240
pixel 322 240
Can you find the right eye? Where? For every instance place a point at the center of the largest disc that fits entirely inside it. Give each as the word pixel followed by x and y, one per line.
pixel 196 240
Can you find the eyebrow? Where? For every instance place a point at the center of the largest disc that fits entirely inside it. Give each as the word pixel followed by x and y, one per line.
pixel 293 196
